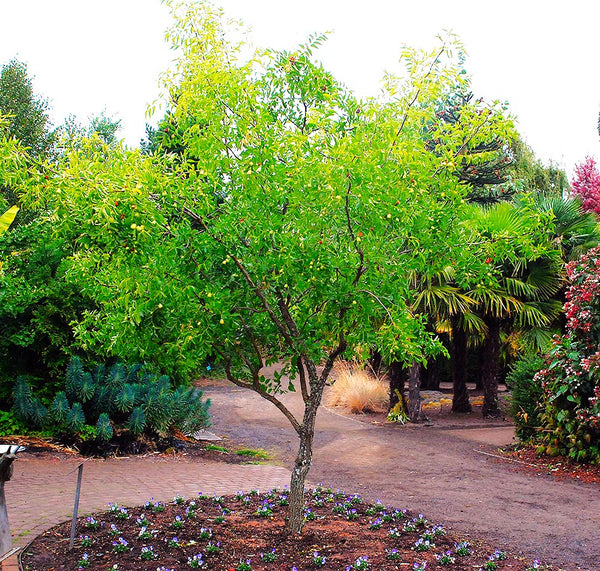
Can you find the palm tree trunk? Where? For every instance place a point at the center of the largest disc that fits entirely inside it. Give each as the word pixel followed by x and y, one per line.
pixel 460 399
pixel 490 364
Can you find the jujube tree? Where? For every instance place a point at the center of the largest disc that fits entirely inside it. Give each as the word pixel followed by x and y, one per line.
pixel 291 232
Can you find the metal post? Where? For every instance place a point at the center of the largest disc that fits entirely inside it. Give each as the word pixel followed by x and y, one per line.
pixel 7 455
pixel 5 538
pixel 76 506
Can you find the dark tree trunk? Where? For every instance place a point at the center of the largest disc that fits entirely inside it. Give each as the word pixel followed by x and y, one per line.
pixel 397 376
pixel 376 362
pixel 460 399
pixel 490 365
pixel 479 359
pixel 430 376
pixel 414 397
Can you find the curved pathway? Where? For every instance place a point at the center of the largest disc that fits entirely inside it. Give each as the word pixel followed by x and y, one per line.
pixel 445 473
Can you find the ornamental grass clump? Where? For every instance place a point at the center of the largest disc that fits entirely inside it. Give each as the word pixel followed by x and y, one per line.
pixel 357 390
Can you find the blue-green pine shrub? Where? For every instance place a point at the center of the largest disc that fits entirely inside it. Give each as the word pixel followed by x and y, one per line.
pixel 113 399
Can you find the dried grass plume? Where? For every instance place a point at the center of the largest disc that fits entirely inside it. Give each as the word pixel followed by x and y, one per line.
pixel 357 390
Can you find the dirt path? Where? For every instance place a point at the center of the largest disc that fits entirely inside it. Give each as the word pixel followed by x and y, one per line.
pixel 437 470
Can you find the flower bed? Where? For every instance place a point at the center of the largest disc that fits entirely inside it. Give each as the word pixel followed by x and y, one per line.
pixel 247 532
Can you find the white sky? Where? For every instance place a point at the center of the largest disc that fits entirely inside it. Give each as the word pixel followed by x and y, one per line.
pixel 542 56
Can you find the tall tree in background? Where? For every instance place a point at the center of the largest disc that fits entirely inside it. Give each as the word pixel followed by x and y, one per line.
pixel 27 113
pixel 104 126
pixel 586 185
pixel 529 174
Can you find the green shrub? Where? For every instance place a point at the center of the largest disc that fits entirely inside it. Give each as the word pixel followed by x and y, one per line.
pixel 571 374
pixel 110 400
pixel 526 395
pixel 10 424
pixel 37 309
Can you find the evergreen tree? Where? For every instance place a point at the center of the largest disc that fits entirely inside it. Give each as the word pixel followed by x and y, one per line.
pixel 27 112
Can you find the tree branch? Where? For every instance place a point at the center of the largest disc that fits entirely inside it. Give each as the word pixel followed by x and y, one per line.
pixel 302 375
pixel 361 256
pixel 259 390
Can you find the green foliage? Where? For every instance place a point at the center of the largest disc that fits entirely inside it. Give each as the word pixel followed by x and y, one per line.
pixel 102 126
pixel 114 398
pixel 529 175
pixel 27 113
pixel 10 424
pixel 290 183
pixel 525 402
pixel 570 417
pixel 7 218
pixel 29 408
pixel 104 429
pixel 251 452
pixel 37 306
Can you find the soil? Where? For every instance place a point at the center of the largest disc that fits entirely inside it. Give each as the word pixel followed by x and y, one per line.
pixel 528 460
pixel 230 535
pixel 175 447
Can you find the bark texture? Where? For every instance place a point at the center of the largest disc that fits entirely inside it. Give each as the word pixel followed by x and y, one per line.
pixel 397 376
pixel 414 393
pixel 460 399
pixel 490 365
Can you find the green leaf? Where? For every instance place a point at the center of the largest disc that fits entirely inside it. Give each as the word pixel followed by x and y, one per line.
pixel 7 218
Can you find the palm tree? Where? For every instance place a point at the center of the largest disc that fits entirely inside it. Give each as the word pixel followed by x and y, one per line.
pixel 523 296
pixel 446 305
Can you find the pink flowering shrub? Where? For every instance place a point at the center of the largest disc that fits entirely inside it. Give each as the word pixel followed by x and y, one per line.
pixel 571 380
pixel 586 185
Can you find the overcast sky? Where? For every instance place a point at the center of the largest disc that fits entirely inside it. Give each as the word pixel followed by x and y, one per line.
pixel 542 56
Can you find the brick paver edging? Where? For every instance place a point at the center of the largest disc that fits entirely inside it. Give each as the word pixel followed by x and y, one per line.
pixel 42 490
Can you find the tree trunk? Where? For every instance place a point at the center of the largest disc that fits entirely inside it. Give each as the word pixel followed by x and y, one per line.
pixel 376 362
pixel 490 364
pixel 397 381
pixel 460 399
pixel 414 397
pixel 304 457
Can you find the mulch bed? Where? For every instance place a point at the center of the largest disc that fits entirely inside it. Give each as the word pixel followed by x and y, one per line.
pixel 182 446
pixel 528 460
pixel 230 534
